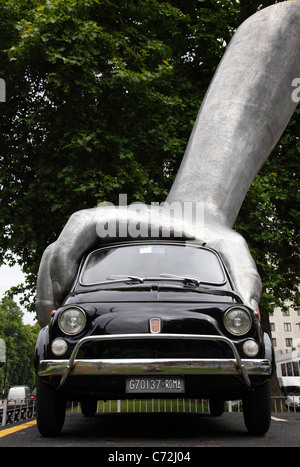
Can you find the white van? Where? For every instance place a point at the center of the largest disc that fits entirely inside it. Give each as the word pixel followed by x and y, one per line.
pixel 18 394
pixel 290 386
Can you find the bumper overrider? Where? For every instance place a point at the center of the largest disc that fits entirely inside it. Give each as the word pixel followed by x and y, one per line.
pixel 245 368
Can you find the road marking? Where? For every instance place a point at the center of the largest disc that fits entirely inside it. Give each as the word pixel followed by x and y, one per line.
pixel 13 429
pixel 278 419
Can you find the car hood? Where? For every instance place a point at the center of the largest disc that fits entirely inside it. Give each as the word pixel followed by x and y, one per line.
pixel 179 320
pixel 129 311
pixel 158 293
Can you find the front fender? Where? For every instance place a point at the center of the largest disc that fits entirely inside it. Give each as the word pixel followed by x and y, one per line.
pixel 42 346
pixel 269 351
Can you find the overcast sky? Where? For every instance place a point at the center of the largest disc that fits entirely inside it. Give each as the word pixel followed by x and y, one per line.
pixel 11 276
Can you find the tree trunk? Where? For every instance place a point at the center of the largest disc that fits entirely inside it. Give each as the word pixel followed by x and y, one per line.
pixel 275 389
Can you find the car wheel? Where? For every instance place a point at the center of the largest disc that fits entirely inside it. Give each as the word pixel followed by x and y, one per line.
pixel 50 409
pixel 89 407
pixel 257 410
pixel 216 407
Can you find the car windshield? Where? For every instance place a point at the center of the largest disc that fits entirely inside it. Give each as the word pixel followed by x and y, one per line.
pixel 159 261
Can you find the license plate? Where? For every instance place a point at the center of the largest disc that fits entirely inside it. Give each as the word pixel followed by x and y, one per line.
pixel 155 385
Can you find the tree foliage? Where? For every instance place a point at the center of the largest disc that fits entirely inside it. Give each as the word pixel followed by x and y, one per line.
pixel 19 342
pixel 101 99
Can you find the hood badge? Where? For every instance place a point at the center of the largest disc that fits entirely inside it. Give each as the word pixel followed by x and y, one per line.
pixel 155 325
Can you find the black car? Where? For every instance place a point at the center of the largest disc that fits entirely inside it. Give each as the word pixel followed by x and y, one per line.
pixel 153 319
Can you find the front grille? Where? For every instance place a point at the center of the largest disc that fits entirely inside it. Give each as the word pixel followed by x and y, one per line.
pixel 155 349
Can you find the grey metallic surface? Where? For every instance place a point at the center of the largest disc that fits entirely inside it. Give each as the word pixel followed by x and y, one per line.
pixel 242 117
pixel 162 367
pixel 244 113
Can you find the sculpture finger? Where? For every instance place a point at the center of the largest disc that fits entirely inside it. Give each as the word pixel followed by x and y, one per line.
pixel 240 264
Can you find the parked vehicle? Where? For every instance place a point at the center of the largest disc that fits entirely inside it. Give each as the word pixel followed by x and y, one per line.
pixel 290 386
pixel 18 394
pixel 153 319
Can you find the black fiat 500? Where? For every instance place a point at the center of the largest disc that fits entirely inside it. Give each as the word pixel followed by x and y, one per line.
pixel 153 319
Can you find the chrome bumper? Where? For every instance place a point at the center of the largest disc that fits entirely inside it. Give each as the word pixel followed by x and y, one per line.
pixel 159 366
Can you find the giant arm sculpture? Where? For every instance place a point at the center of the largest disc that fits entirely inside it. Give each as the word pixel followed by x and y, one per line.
pixel 245 110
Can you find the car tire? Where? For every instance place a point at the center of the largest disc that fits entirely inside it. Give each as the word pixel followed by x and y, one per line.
pixel 216 407
pixel 50 410
pixel 257 410
pixel 89 407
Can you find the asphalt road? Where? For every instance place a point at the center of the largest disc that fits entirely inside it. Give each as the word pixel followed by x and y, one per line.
pixel 152 431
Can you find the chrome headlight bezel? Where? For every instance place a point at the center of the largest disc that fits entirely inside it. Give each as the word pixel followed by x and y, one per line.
pixel 72 320
pixel 237 321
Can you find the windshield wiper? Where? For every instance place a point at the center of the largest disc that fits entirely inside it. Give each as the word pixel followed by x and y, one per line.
pixel 187 280
pixel 124 278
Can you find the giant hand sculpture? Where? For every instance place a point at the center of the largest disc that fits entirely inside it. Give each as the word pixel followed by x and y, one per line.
pixel 246 109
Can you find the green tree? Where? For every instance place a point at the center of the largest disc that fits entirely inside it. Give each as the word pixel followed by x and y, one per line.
pixel 19 342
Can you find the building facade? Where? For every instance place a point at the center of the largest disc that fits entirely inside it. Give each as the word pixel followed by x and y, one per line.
pixel 285 329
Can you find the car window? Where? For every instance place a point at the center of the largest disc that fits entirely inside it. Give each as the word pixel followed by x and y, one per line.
pixel 293 390
pixel 152 260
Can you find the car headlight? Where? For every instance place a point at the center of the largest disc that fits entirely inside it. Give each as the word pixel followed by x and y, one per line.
pixel 72 320
pixel 237 321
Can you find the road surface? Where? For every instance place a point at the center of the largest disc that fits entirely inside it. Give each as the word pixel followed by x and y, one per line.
pixel 175 431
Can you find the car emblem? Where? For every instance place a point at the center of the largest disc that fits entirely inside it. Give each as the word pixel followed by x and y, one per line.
pixel 154 325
